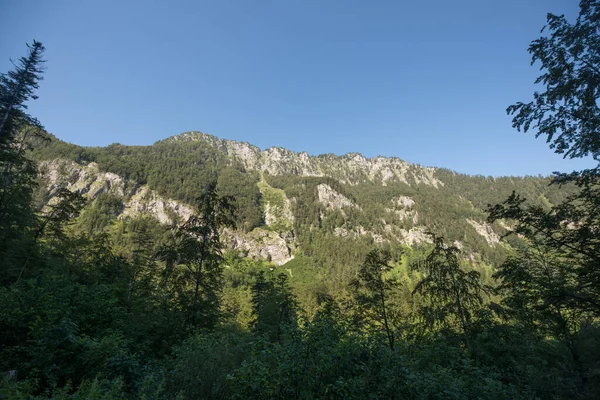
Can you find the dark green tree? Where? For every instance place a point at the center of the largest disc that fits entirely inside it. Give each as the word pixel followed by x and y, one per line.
pixel 453 296
pixel 17 218
pixel 61 212
pixel 273 304
pixel 17 87
pixel 54 221
pixel 567 110
pixel 373 290
pixel 197 247
pixel 17 172
pixel 551 284
pixel 557 272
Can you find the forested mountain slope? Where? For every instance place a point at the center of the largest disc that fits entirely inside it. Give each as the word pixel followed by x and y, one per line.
pixel 201 268
pixel 331 208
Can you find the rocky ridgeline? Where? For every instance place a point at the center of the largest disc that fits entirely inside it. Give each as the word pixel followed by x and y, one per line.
pixel 88 180
pixel 351 168
pixel 276 240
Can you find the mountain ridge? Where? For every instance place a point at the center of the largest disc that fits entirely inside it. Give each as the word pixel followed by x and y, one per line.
pixel 214 139
pixel 274 159
pixel 293 203
pixel 195 135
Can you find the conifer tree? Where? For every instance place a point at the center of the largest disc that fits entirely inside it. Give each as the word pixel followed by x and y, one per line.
pixel 453 295
pixel 197 247
pixel 17 87
pixel 373 290
pixel 273 305
pixel 17 171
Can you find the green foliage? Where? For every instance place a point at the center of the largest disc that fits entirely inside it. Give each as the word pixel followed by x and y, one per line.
pixel 61 212
pixel 242 187
pixel 95 304
pixel 17 171
pixel 194 257
pixel 102 213
pixel 552 282
pixel 202 363
pixel 453 296
pixel 550 286
pixel 326 360
pixel 567 111
pixel 373 288
pixel 17 87
pixel 273 304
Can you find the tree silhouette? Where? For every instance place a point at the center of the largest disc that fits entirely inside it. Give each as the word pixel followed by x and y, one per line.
pixel 17 87
pixel 559 269
pixel 453 295
pixel 18 173
pixel 373 290
pixel 197 247
pixel 567 111
pixel 273 305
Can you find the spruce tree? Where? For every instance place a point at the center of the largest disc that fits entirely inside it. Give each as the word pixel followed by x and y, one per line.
pixel 453 295
pixel 197 248
pixel 17 172
pixel 17 87
pixel 373 291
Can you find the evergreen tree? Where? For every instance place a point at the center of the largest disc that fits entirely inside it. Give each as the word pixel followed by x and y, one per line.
pixel 17 171
pixel 197 247
pixel 373 291
pixel 273 305
pixel 453 295
pixel 17 87
pixel 63 209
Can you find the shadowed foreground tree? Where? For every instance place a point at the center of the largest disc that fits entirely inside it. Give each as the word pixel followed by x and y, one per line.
pixel 567 111
pixel 452 295
pixel 197 248
pixel 17 87
pixel 273 304
pixel 555 278
pixel 557 274
pixel 17 172
pixel 60 213
pixel 552 285
pixel 374 292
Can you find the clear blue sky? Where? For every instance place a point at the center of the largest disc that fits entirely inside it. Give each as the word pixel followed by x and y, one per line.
pixel 426 81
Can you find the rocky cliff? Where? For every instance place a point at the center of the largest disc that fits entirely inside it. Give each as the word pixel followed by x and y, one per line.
pixel 351 168
pixel 302 200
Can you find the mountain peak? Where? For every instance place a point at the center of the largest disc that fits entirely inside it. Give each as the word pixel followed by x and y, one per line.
pixel 350 168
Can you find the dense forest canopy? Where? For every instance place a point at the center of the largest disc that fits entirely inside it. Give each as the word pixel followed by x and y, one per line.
pixel 201 268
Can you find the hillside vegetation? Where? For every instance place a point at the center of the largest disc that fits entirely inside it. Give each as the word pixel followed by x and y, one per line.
pixel 205 268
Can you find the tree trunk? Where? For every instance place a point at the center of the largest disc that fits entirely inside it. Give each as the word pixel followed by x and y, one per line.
pixel 461 313
pixel 390 334
pixel 196 293
pixel 5 118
